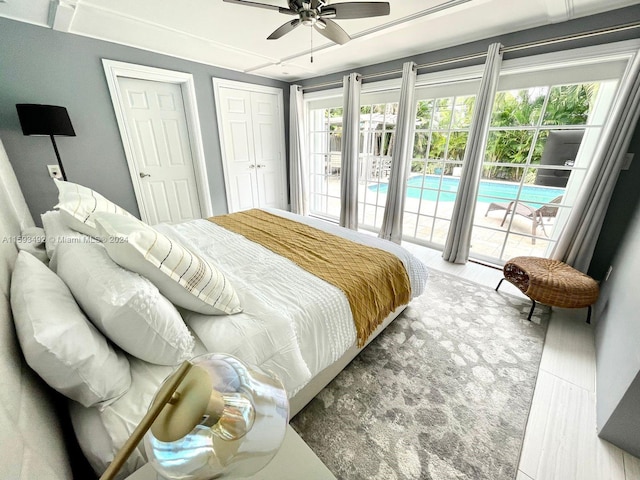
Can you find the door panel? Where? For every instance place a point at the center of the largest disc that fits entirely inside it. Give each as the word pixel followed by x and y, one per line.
pixel 251 130
pixel 166 102
pixel 240 148
pixel 173 138
pixel 270 161
pixel 269 197
pixel 157 193
pixel 239 152
pixel 244 191
pixel 183 197
pixel 157 124
pixel 146 139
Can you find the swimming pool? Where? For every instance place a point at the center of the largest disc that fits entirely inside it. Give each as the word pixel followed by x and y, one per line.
pixel 490 191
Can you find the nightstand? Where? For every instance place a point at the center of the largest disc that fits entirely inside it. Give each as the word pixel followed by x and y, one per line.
pixel 294 461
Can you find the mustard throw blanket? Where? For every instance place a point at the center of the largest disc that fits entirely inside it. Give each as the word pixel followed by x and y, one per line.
pixel 374 281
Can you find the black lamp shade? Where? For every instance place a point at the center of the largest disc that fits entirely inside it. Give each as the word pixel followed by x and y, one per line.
pixel 44 120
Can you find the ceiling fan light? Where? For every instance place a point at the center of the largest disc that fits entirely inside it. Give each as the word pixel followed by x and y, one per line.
pixel 308 17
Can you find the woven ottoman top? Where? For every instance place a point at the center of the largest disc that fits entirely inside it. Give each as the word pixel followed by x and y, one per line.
pixel 551 282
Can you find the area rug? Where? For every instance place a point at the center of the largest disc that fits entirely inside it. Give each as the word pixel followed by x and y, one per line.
pixel 443 393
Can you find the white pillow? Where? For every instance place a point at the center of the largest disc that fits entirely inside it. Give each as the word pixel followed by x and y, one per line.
pixel 57 340
pixel 57 232
pixel 127 308
pixel 32 240
pixel 76 204
pixel 184 277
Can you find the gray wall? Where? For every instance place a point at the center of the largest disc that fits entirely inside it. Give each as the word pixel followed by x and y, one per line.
pixel 626 197
pixel 594 22
pixel 618 346
pixel 625 201
pixel 40 65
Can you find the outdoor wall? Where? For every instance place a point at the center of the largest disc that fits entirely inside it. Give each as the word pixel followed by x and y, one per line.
pixel 41 65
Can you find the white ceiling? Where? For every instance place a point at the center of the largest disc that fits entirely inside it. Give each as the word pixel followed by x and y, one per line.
pixel 234 36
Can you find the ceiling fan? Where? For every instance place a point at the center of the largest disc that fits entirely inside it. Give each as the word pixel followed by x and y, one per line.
pixel 318 14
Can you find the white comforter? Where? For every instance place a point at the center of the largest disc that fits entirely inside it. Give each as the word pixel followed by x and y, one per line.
pixel 293 324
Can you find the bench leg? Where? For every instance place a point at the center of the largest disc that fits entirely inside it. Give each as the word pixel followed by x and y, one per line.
pixel 533 306
pixel 499 283
pixel 589 315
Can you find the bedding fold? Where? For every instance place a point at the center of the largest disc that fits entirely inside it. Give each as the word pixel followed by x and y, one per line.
pixel 374 281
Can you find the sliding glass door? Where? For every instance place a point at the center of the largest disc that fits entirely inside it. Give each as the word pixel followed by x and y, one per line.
pixel 325 143
pixel 378 118
pixel 547 119
pixel 443 117
pixel 377 138
pixel 541 141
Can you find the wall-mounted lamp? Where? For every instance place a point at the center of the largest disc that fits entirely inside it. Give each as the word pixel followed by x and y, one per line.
pixel 46 120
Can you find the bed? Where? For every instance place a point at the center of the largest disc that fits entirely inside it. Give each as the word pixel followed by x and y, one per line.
pixel 291 323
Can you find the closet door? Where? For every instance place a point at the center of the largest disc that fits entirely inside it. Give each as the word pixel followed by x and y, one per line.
pixel 251 126
pixel 235 125
pixel 270 163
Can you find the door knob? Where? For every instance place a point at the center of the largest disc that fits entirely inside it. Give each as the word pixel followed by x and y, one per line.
pixel 252 166
pixel 261 166
pixel 142 175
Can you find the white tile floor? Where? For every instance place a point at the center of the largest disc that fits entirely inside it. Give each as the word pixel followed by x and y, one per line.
pixel 560 440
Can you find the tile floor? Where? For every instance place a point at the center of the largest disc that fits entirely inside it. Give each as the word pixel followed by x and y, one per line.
pixel 560 439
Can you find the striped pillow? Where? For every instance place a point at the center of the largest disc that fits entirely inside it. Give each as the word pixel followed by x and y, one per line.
pixel 77 203
pixel 184 277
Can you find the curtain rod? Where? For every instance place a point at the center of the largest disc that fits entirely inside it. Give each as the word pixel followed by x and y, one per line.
pixel 474 56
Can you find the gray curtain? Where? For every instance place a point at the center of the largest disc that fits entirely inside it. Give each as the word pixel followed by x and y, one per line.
pixel 578 239
pixel 456 249
pixel 350 142
pixel 401 157
pixel 298 177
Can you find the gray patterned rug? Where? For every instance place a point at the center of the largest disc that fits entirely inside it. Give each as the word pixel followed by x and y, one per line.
pixel 443 393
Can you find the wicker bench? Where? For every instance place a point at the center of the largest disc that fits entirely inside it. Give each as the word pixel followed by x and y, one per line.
pixel 551 282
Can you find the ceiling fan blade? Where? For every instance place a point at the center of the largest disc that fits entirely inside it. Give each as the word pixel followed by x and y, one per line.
pixel 262 5
pixel 284 29
pixel 351 10
pixel 333 32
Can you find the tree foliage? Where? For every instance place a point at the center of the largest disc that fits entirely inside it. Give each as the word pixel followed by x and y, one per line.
pixel 441 130
pixel 442 127
pixel 567 105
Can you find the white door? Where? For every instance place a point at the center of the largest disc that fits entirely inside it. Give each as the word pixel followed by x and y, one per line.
pixel 250 121
pixel 157 127
pixel 236 127
pixel 270 162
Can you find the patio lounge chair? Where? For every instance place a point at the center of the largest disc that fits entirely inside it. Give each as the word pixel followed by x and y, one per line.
pixel 536 215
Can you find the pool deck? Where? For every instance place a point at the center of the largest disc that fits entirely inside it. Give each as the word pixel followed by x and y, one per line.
pixel 488 236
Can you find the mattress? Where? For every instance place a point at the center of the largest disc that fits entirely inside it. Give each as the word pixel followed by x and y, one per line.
pixel 293 325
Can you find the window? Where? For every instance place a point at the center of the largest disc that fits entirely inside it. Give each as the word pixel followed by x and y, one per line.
pixel 325 139
pixel 443 117
pixel 544 128
pixel 377 137
pixel 547 119
pixel 442 130
pixel 378 118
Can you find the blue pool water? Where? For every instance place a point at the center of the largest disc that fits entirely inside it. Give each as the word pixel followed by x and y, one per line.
pixel 490 191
